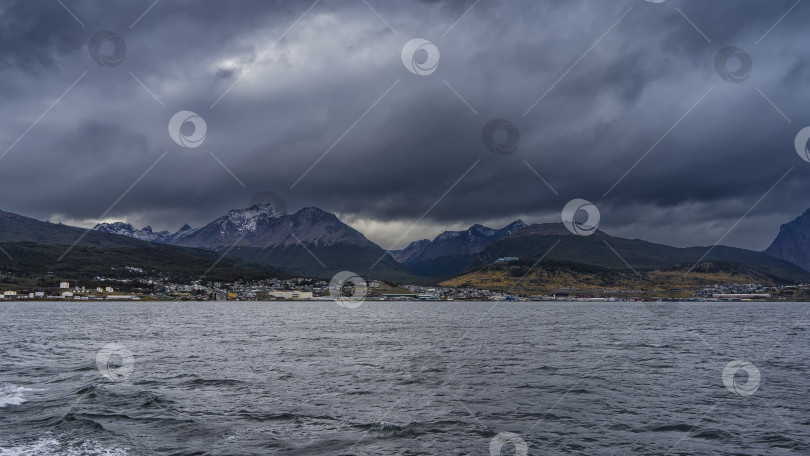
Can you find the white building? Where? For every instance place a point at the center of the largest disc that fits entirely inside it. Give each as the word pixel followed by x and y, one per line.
pixel 10 293
pixel 109 290
pixel 64 285
pixel 285 294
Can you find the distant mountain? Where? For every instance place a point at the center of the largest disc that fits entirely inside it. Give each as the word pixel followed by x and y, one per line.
pixel 793 242
pixel 33 247
pixel 146 233
pixel 413 249
pixel 18 228
pixel 260 226
pixel 310 242
pixel 450 252
pixel 597 250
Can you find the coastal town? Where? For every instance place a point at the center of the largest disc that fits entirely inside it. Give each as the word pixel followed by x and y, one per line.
pixel 143 288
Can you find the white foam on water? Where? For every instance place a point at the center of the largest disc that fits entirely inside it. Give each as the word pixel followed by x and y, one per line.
pixel 52 447
pixel 12 395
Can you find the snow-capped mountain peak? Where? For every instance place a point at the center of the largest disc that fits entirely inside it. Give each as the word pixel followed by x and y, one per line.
pixel 144 234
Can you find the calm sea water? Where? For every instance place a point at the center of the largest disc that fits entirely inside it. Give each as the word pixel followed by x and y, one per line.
pixel 402 379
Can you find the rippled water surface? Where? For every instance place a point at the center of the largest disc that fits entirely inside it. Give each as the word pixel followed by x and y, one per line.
pixel 402 378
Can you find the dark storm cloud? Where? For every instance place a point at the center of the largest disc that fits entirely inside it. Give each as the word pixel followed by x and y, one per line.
pixel 293 100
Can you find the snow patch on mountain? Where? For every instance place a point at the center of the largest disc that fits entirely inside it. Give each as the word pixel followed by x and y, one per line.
pixel 145 233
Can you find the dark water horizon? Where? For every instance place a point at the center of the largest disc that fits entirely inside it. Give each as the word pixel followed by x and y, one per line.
pixel 404 378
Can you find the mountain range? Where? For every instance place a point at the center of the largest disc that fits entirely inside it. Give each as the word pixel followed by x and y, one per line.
pixel 451 252
pixel 310 242
pixel 145 233
pixel 30 247
pixel 315 243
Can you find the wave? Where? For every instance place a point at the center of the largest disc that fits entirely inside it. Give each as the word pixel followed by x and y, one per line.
pixel 12 395
pixel 53 447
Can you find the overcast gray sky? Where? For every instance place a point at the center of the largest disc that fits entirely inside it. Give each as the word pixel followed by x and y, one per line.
pixel 610 79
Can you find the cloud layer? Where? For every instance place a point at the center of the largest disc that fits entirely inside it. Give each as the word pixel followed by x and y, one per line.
pixel 592 87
